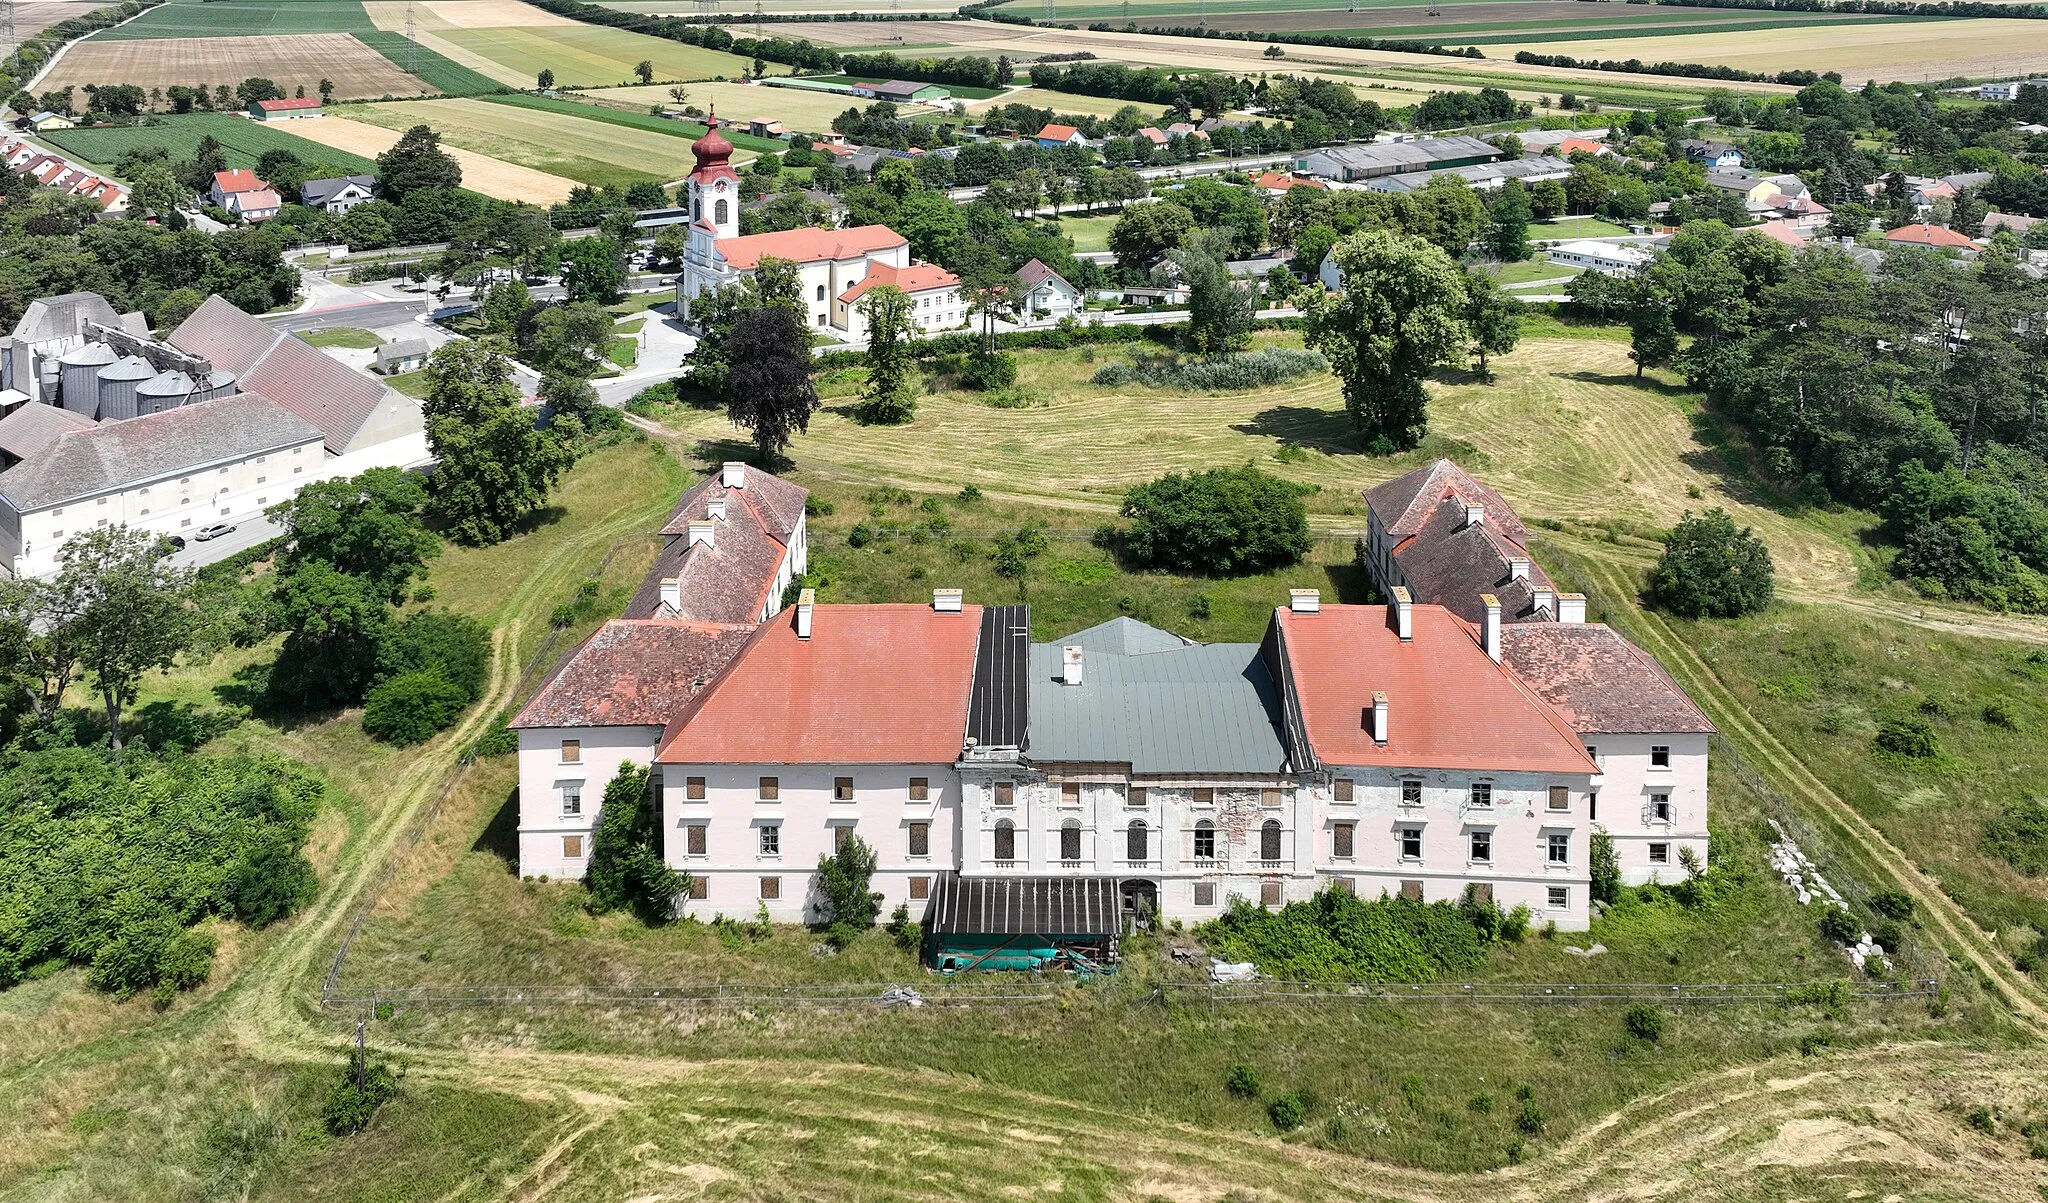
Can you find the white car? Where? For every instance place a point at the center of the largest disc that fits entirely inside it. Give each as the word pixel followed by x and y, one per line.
pixel 215 531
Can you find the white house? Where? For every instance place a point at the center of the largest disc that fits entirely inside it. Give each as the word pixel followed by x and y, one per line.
pixel 1607 258
pixel 245 196
pixel 1045 295
pixel 934 294
pixel 337 195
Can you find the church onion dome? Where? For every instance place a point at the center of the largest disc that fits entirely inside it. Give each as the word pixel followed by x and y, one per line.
pixel 713 149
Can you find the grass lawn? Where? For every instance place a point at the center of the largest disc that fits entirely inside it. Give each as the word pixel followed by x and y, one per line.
pixel 341 336
pixel 640 120
pixel 1089 233
pixel 412 384
pixel 218 18
pixel 624 352
pixel 1575 227
pixel 1528 271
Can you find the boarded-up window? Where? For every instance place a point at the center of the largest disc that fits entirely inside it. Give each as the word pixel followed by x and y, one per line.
pixel 842 789
pixel 1344 885
pixel 1137 796
pixel 693 788
pixel 771 887
pixel 1340 844
pixel 695 839
pixel 700 887
pixel 1006 793
pixel 920 839
pixel 920 888
pixel 1070 841
pixel 1345 786
pixel 1269 797
pixel 1070 793
pixel 1269 840
pixel 1412 890
pixel 920 789
pixel 1006 840
pixel 1560 798
pixel 841 837
pixel 572 847
pixel 1205 796
pixel 771 789
pixel 1205 893
pixel 1269 893
pixel 572 751
pixel 1134 840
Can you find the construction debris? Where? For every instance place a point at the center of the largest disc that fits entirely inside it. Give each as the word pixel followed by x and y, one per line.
pixel 902 996
pixel 1226 971
pixel 1574 951
pixel 1810 887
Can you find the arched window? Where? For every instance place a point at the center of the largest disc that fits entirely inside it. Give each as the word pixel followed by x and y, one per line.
pixel 1134 841
pixel 722 203
pixel 821 292
pixel 1205 840
pixel 696 208
pixel 1269 840
pixel 1006 840
pixel 1070 840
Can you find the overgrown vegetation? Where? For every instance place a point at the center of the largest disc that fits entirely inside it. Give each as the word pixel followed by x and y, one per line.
pixel 627 869
pixel 1712 570
pixel 1340 937
pixel 1224 521
pixel 1254 369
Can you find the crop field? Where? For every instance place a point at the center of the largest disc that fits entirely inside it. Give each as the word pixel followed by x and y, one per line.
pixel 433 68
pixel 739 102
pixel 1067 102
pixel 589 55
pixel 1472 21
pixel 293 60
pixel 1910 51
pixel 245 141
pixel 633 118
pixel 560 145
pixel 238 18
pixel 480 172
pixel 32 15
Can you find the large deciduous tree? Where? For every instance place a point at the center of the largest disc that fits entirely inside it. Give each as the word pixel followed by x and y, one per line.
pixel 889 396
pixel 1401 313
pixel 494 465
pixel 1712 570
pixel 416 164
pixel 769 392
pixel 367 526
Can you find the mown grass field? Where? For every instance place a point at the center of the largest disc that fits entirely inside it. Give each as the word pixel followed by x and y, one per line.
pixel 431 66
pixel 1912 51
pixel 245 141
pixel 632 119
pixel 566 146
pixel 591 55
pixel 239 18
pixel 810 112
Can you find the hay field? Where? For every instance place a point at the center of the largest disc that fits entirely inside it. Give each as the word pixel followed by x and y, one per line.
pixel 1910 51
pixel 588 55
pixel 480 172
pixel 463 14
pixel 294 61
pixel 239 18
pixel 556 144
pixel 32 15
pixel 794 107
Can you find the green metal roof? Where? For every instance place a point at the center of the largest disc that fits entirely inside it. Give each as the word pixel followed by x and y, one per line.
pixel 1156 702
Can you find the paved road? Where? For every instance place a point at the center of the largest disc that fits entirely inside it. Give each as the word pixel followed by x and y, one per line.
pixel 247 533
pixel 368 316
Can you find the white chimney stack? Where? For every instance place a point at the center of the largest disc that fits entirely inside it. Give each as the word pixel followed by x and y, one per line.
pixel 1571 607
pixel 1492 628
pixel 806 601
pixel 1475 515
pixel 1304 601
pixel 715 510
pixel 947 601
pixel 702 532
pixel 1402 612
pixel 1070 665
pixel 1544 597
pixel 672 594
pixel 733 475
pixel 1379 718
pixel 1518 570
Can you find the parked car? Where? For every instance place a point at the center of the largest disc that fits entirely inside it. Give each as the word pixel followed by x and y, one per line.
pixel 212 532
pixel 177 542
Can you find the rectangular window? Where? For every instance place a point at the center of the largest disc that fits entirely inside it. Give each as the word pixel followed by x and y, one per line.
pixel 771 840
pixel 1660 854
pixel 1269 893
pixel 1411 793
pixel 1592 754
pixel 694 839
pixel 1345 789
pixel 1269 797
pixel 1204 796
pixel 1006 793
pixel 693 788
pixel 1559 898
pixel 1560 798
pixel 1481 891
pixel 920 888
pixel 1341 844
pixel 1482 846
pixel 842 835
pixel 1070 842
pixel 1560 848
pixel 700 887
pixel 1660 756
pixel 1482 794
pixel 920 839
pixel 572 847
pixel 572 751
pixel 771 888
pixel 1411 843
pixel 1205 893
pixel 1344 885
pixel 1137 796
pixel 771 789
pixel 1205 841
pixel 1412 891
pixel 842 789
pixel 1070 793
pixel 1660 808
pixel 920 789
pixel 1593 805
pixel 572 798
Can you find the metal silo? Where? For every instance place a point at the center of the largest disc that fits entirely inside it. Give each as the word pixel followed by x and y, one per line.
pixel 218 383
pixel 160 393
pixel 118 383
pixel 80 390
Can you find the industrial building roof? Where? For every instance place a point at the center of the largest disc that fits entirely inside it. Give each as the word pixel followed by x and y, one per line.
pixel 1041 906
pixel 1417 154
pixel 998 706
pixel 33 429
pixel 1157 702
pixel 110 456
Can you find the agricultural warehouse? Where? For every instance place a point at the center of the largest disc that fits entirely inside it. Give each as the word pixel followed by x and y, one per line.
pixel 1351 164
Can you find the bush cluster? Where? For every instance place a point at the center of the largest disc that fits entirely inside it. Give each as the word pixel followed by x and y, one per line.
pixel 2019 837
pixel 1223 521
pixel 1254 369
pixel 1340 937
pixel 362 1086
pixel 988 373
pixel 433 665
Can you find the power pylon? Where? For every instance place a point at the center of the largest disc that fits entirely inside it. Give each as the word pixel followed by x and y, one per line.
pixel 7 30
pixel 1052 10
pixel 412 45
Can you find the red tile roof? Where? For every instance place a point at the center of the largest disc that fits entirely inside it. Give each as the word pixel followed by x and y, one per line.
pixel 728 579
pixel 918 277
pixel 874 684
pixel 1598 680
pixel 1449 562
pixel 1448 705
pixel 1280 181
pixel 1572 146
pixel 808 245
pixel 1405 502
pixel 1778 231
pixel 633 673
pixel 1922 234
pixel 241 179
pixel 1054 132
pixel 284 106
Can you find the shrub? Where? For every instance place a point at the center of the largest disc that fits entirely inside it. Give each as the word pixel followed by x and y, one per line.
pixel 1814 1043
pixel 1906 738
pixel 902 930
pixel 1514 926
pixel 1224 521
pixel 969 494
pixel 1411 1090
pixel 1893 904
pixel 1340 937
pixel 1111 375
pixel 1605 870
pixel 2019 836
pixel 1256 369
pixel 860 536
pixel 1837 926
pixel 1529 1121
pixel 186 960
pixel 988 372
pixel 1481 1103
pixel 269 881
pixel 1712 570
pixel 1286 1112
pixel 362 1086
pixel 128 961
pixel 412 707
pixel 1644 1022
pixel 844 876
pixel 1889 934
pixel 1998 714
pixel 1244 1082
pixel 1831 998
pixel 626 870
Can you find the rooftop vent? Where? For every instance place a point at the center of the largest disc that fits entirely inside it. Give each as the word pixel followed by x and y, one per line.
pixel 1492 629
pixel 805 603
pixel 733 475
pixel 1518 570
pixel 1544 598
pixel 1304 601
pixel 672 594
pixel 715 510
pixel 1378 717
pixel 947 601
pixel 1571 607
pixel 1475 515
pixel 702 532
pixel 1070 665
pixel 1401 613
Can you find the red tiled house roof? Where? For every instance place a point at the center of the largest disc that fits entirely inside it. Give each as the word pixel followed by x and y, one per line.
pixel 808 245
pixel 1922 234
pixel 285 106
pixel 918 277
pixel 1598 680
pixel 633 674
pixel 728 579
pixel 874 684
pixel 1445 559
pixel 241 179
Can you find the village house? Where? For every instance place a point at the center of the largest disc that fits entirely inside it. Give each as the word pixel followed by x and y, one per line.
pixel 933 292
pixel 1280 182
pixel 47 170
pixel 243 195
pixel 1936 237
pixel 339 194
pixel 46 121
pixel 1043 295
pixel 404 355
pixel 1716 155
pixel 1054 136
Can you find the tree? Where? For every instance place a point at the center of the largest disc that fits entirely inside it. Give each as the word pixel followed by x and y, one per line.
pixel 570 396
pixel 1652 338
pixel 326 91
pixel 1145 232
pixel 594 269
pixel 416 163
pixel 410 708
pixel 1494 318
pixel 1547 199
pixel 1224 521
pixel 1508 231
pixel 844 877
pixel 1604 870
pixel 1220 313
pixel 769 392
pixel 332 622
pixel 570 339
pixel 626 870
pixel 644 71
pixel 494 465
pixel 546 79
pixel 889 396
pixel 1712 570
pixel 1401 313
pixel 156 192
pixel 127 612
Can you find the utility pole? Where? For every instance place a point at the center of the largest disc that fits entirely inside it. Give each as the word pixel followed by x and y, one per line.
pixel 7 31
pixel 412 45
pixel 362 1082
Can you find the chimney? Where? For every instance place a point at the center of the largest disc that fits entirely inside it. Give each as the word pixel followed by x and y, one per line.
pixel 733 475
pixel 702 532
pixel 806 601
pixel 947 601
pixel 715 510
pixel 1475 515
pixel 1518 570
pixel 1401 613
pixel 672 594
pixel 1304 601
pixel 1543 597
pixel 1571 607
pixel 1070 665
pixel 1492 628
pixel 1379 718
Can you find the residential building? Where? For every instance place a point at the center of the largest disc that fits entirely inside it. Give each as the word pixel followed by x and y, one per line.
pixel 1447 539
pixel 1282 182
pixel 285 110
pixel 1716 155
pixel 1354 164
pixel 1045 295
pixel 1937 237
pixel 339 194
pixel 1054 136
pixel 1607 258
pixel 1582 146
pixel 403 355
pixel 2008 90
pixel 243 195
pixel 1779 230
pixel 761 128
pixel 46 121
pixel 934 294
pixel 729 551
pixel 47 170
pixel 1153 134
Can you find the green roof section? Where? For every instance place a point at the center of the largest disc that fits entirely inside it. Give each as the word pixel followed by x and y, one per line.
pixel 1157 702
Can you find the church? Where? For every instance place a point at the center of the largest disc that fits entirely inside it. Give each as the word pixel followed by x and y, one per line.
pixel 836 267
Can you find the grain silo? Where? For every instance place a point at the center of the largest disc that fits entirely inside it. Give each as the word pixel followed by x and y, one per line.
pixel 118 383
pixel 218 383
pixel 159 393
pixel 80 389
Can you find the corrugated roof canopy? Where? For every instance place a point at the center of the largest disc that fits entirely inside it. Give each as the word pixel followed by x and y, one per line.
pixel 1024 906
